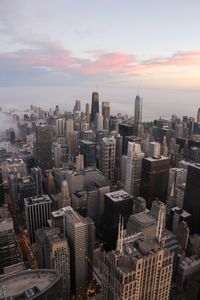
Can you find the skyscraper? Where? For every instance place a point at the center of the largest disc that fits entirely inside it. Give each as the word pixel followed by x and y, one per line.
pixel 37 213
pixel 95 106
pixel 139 268
pixel 79 232
pixel 107 157
pixel 66 201
pixel 198 116
pixel 88 149
pixel 116 204
pixel 36 173
pixel 87 112
pixel 106 114
pixel 133 169
pixel 154 179
pixel 138 110
pixel 191 201
pixel 99 122
pixel 44 147
pixel 60 127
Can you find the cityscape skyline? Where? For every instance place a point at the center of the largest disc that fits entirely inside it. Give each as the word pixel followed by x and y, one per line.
pixel 80 52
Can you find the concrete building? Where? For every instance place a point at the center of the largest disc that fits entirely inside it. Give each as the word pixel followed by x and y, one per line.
pixel 99 122
pixel 37 213
pixel 79 232
pixel 133 169
pixel 139 268
pixel 107 157
pixel 154 149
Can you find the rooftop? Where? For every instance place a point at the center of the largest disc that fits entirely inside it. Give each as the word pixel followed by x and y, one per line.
pixel 27 284
pixel 143 218
pixel 37 200
pixel 118 195
pixel 156 158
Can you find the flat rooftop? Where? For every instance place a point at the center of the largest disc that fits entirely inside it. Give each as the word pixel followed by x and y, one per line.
pixel 119 195
pixel 36 200
pixel 29 284
pixel 156 158
pixel 143 218
pixel 60 212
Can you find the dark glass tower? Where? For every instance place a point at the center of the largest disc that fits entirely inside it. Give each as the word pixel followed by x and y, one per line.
pixel 95 106
pixel 44 147
pixel 191 201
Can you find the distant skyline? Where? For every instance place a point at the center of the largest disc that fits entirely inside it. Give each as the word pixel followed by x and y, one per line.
pixel 111 46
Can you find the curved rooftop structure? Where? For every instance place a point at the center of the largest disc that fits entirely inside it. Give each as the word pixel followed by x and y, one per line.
pixel 29 284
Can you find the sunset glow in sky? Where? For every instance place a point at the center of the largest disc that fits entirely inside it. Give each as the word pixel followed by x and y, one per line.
pixel 109 43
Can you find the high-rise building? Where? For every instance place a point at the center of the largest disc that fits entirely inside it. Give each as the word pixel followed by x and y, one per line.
pixel 138 110
pixel 154 179
pixel 139 268
pixel 87 112
pixel 44 147
pixel 66 201
pixel 106 114
pixel 77 106
pixel 116 204
pixel 191 201
pixel 95 106
pixel 99 122
pixel 133 169
pixel 9 253
pixel 107 157
pixel 125 130
pixel 198 116
pixel 154 149
pixel 60 127
pixel 88 150
pixel 79 232
pixel 118 157
pixel 69 126
pixel 54 253
pixel 36 173
pixel 37 213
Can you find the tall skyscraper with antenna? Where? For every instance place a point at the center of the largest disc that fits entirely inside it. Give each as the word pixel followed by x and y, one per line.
pixel 138 110
pixel 95 106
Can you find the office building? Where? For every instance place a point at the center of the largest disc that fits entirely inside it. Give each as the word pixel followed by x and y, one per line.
pixel 198 116
pixel 116 204
pixel 154 179
pixel 37 213
pixel 60 127
pixel 138 110
pixel 99 122
pixel 154 149
pixel 106 114
pixel 87 112
pixel 133 169
pixel 138 268
pixel 107 157
pixel 54 254
pixel 44 147
pixel 66 201
pixel 9 253
pixel 95 106
pixel 191 201
pixel 125 130
pixel 36 173
pixel 88 150
pixel 79 232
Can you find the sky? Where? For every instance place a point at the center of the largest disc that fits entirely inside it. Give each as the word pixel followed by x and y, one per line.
pixel 57 51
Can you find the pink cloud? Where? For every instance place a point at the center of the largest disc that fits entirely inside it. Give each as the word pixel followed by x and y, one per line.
pixel 54 57
pixel 109 63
